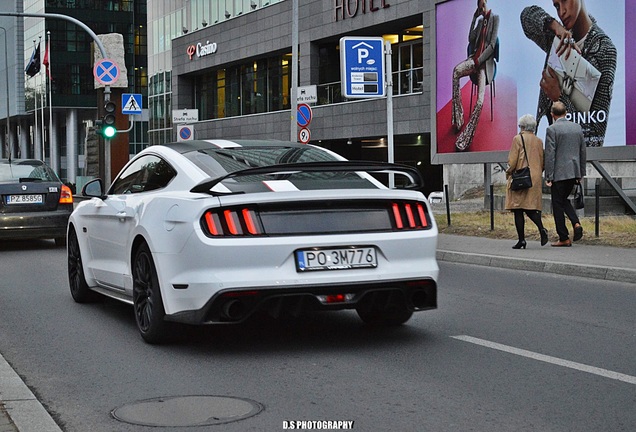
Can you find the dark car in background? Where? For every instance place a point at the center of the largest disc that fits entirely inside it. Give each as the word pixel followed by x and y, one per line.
pixel 34 203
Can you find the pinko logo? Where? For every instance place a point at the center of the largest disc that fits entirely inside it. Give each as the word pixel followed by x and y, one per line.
pixel 191 50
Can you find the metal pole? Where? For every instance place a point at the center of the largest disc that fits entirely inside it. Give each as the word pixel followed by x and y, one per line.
pixel 294 73
pixel 36 134
pixel 51 153
pixel 492 207
pixel 448 214
pixel 6 56
pixel 52 142
pixel 389 108
pixel 597 193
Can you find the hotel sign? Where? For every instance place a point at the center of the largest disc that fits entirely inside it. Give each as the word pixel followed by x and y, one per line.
pixel 344 9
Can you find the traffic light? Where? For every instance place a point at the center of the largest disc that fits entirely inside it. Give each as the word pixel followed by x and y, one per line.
pixel 108 128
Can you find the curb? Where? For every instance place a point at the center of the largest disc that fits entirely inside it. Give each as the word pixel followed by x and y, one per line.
pixel 22 407
pixel 615 274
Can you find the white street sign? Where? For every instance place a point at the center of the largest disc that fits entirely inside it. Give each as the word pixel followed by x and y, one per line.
pixel 185 116
pixel 307 94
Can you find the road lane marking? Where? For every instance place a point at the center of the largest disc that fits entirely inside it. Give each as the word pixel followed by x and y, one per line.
pixel 548 359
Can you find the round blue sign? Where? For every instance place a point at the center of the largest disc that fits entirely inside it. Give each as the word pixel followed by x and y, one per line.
pixel 185 133
pixel 106 71
pixel 303 115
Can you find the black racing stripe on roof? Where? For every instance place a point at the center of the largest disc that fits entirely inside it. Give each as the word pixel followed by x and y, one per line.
pixel 196 145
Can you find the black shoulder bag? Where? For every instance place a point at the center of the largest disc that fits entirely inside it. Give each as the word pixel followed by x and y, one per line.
pixel 521 178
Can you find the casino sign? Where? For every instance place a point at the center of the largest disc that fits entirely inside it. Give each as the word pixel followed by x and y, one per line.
pixel 201 50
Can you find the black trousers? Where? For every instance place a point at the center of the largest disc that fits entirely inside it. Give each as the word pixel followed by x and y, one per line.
pixel 561 206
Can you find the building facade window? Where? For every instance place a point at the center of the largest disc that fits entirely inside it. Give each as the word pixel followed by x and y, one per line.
pixel 251 88
pixel 408 67
pixel 407 64
pixel 160 108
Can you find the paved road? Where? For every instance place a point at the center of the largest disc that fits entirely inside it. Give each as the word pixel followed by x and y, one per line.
pixel 507 350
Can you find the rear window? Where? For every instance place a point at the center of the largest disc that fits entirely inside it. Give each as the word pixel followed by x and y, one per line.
pixel 25 171
pixel 219 162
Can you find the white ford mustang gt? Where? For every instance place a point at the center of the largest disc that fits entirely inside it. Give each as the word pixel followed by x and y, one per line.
pixel 205 232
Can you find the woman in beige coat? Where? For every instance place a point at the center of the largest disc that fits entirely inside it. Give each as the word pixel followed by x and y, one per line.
pixel 528 201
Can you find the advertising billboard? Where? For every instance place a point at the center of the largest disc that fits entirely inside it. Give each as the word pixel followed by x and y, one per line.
pixel 494 65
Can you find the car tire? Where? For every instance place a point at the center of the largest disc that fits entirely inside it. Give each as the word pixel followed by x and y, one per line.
pixel 392 315
pixel 148 305
pixel 77 281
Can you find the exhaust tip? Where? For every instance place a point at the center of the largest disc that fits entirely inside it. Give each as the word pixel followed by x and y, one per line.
pixel 419 298
pixel 233 310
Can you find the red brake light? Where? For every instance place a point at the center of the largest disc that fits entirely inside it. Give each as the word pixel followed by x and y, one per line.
pixel 409 215
pixel 422 213
pixel 232 222
pixel 213 223
pixel 336 298
pixel 397 216
pixel 249 221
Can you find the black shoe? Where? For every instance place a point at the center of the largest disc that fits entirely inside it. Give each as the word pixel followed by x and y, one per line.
pixel 544 236
pixel 578 232
pixel 521 244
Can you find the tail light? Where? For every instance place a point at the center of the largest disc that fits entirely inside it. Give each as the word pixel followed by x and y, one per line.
pixel 243 222
pixel 66 196
pixel 410 215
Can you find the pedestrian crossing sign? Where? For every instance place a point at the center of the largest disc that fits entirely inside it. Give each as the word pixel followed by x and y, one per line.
pixel 131 103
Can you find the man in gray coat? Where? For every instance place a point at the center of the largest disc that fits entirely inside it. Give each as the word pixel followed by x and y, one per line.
pixel 565 158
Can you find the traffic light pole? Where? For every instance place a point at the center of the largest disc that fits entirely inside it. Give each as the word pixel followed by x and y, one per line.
pixel 99 45
pixel 75 21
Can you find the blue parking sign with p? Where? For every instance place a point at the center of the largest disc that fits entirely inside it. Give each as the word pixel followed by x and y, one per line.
pixel 363 67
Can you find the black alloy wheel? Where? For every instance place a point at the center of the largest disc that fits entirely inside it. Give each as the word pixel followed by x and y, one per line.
pixel 148 305
pixel 77 282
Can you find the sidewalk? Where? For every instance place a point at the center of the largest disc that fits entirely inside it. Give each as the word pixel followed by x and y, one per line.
pixel 597 262
pixel 20 411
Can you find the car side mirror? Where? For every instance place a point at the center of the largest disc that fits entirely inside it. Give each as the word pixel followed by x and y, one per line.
pixel 94 189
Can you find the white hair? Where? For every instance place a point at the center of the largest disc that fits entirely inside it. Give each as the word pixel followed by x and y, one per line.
pixel 528 123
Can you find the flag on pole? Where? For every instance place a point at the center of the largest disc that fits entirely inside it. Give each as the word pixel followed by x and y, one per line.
pixel 45 60
pixel 33 67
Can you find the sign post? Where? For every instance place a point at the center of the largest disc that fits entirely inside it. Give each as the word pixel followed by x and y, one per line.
pixel 366 73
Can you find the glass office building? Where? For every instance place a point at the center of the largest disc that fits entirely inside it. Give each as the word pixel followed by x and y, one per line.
pixel 51 119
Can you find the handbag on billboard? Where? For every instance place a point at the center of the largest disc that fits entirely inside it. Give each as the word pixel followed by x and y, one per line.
pixel 578 79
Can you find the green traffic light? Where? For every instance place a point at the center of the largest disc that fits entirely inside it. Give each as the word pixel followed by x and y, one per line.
pixel 109 131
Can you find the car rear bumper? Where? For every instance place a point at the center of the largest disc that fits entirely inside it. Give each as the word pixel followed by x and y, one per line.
pixel 235 306
pixel 34 225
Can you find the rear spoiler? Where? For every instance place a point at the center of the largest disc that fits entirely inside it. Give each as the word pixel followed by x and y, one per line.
pixel 411 173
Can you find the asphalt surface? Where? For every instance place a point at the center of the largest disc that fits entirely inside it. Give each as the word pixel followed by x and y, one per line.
pixel 20 411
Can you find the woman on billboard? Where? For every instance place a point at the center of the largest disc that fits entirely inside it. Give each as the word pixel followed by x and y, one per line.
pixel 579 67
pixel 482 39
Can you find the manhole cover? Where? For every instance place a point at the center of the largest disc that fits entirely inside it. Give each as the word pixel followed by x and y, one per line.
pixel 186 411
